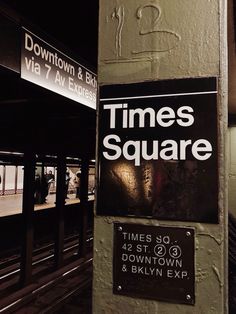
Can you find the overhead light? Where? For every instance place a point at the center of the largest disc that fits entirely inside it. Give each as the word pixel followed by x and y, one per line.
pixel 11 153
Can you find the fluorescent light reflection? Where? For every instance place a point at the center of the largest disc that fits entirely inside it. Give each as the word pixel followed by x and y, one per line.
pixel 127 176
pixel 147 182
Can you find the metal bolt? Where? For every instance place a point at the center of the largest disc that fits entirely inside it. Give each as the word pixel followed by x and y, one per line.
pixel 188 233
pixel 188 297
pixel 120 228
pixel 119 288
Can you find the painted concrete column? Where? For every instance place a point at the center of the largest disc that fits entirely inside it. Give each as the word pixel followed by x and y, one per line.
pixel 158 40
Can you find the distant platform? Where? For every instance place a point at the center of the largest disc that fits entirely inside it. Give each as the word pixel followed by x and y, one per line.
pixel 12 204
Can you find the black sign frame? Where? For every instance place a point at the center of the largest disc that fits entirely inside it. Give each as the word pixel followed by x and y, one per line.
pixel 154 262
pixel 129 190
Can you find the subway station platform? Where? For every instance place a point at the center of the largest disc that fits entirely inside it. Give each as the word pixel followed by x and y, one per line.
pixel 12 204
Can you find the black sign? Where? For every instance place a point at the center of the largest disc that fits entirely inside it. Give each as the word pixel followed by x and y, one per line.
pixel 154 262
pixel 48 67
pixel 158 150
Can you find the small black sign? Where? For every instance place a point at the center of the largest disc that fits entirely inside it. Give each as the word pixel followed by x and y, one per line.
pixel 157 150
pixel 154 262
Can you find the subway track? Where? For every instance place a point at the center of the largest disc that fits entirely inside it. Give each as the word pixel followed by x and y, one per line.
pixel 51 291
pixel 52 296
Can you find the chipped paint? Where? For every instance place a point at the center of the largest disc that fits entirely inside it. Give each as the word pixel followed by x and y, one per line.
pixel 217 240
pixel 217 273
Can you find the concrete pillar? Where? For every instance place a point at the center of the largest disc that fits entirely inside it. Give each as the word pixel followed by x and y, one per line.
pixel 143 40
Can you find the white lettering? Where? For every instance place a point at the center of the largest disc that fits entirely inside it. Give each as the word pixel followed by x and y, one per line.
pixel 170 149
pixel 59 79
pixel 172 273
pixel 165 113
pixel 32 66
pixel 47 55
pixel 148 117
pixel 148 271
pixel 135 147
pixel 141 237
pixel 141 113
pixel 113 147
pixel 171 152
pixel 112 108
pixel 203 146
pixel 162 239
pixel 187 116
pixel 28 42
pixel 144 259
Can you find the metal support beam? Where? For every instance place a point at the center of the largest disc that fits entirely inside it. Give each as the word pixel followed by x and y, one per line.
pixel 27 219
pixel 60 204
pixel 83 207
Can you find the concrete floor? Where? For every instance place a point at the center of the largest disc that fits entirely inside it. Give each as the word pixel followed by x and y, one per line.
pixel 12 204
